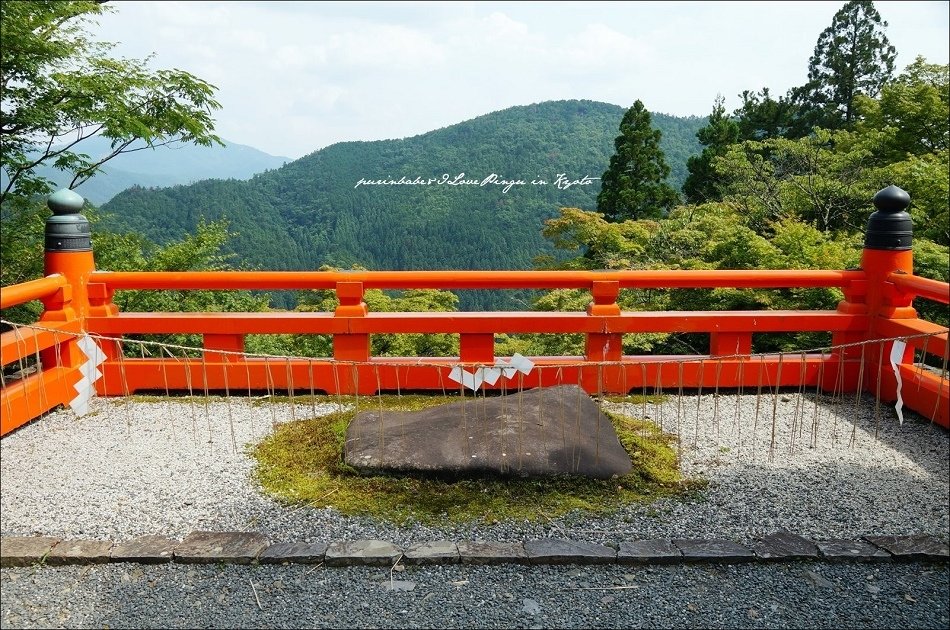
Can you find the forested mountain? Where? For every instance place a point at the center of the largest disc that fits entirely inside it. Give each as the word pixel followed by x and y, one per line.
pixel 312 212
pixel 164 166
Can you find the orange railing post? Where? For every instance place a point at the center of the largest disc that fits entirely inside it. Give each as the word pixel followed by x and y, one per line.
pixel 68 265
pixel 887 249
pixel 603 346
pixel 350 347
pixel 67 252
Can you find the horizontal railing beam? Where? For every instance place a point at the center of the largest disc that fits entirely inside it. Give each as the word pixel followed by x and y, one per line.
pixel 922 287
pixel 923 335
pixel 17 294
pixel 24 341
pixel 31 397
pixel 644 279
pixel 634 374
pixel 926 393
pixel 476 322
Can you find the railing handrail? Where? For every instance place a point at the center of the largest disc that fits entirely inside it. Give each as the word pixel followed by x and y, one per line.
pixel 922 287
pixel 641 279
pixel 873 327
pixel 24 292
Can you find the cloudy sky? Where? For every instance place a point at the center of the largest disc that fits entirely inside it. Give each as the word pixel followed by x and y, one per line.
pixel 294 77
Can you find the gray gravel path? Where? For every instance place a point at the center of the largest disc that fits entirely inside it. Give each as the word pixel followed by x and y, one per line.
pixel 130 469
pixel 796 595
pixel 824 469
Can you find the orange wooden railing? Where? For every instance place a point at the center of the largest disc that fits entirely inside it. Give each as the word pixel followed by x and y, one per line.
pixel 877 309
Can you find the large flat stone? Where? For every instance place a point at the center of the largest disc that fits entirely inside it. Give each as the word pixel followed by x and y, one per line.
pixel 293 553
pixel 22 551
pixel 145 550
pixel 557 551
pixel 478 552
pixel 80 552
pixel 438 552
pixel 713 550
pixel 648 552
pixel 850 550
pixel 544 431
pixel 362 552
pixel 916 547
pixel 784 546
pixel 212 547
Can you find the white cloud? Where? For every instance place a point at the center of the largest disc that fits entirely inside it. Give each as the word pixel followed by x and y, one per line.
pixel 598 47
pixel 296 76
pixel 383 49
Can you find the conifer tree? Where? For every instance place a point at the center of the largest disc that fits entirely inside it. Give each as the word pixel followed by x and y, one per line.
pixel 634 186
pixel 853 56
pixel 721 132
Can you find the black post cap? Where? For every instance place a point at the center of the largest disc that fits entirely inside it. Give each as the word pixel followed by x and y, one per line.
pixel 67 230
pixel 890 226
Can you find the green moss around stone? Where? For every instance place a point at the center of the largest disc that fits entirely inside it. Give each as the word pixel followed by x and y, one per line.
pixel 639 399
pixel 302 463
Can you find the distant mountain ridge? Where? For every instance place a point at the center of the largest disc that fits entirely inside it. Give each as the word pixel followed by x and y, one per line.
pixel 165 166
pixel 314 211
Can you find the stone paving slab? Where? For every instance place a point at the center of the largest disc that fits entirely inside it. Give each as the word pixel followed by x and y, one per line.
pixel 785 546
pixel 559 551
pixel 916 547
pixel 438 552
pixel 294 553
pixel 22 551
pixel 362 552
pixel 713 550
pixel 212 547
pixel 80 552
pixel 659 551
pixel 145 550
pixel 478 552
pixel 851 550
pixel 244 548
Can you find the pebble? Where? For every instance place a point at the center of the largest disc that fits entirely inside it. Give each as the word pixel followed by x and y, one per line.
pixel 842 473
pixel 145 468
pixel 739 596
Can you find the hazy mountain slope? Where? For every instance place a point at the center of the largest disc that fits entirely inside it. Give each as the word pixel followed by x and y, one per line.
pixel 312 212
pixel 165 166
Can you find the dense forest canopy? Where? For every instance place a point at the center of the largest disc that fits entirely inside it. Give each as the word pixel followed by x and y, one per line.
pixel 311 212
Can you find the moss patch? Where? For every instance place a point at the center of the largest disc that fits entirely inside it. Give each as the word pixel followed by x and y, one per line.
pixel 302 463
pixel 638 399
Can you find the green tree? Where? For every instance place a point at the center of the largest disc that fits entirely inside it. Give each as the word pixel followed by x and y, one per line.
pixel 59 88
pixel 762 117
pixel 915 106
pixel 826 179
pixel 701 184
pixel 633 186
pixel 853 56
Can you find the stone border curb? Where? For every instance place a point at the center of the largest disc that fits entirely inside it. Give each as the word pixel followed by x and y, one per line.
pixel 252 547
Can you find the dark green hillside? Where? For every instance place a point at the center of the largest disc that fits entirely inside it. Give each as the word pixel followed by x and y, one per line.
pixel 310 212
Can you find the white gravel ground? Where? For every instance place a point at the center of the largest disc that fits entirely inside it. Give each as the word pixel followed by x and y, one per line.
pixel 824 470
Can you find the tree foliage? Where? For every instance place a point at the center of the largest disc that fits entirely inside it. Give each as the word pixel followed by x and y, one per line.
pixel 787 201
pixel 59 87
pixel 914 108
pixel 852 57
pixel 761 117
pixel 634 185
pixel 719 133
